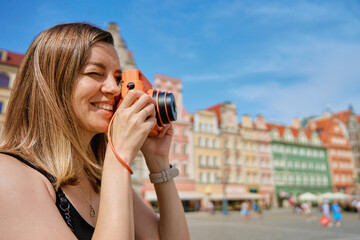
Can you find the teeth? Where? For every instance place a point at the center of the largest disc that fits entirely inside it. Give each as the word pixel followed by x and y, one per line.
pixel 104 106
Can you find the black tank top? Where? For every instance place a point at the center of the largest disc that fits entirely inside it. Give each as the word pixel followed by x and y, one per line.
pixel 78 225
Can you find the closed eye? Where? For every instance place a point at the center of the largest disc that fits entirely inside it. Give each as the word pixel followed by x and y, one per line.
pixel 94 74
pixel 118 79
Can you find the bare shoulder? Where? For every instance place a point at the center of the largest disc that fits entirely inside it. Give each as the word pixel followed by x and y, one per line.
pixel 17 175
pixel 27 203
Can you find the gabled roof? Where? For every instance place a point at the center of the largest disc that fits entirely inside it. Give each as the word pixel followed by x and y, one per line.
pixel 323 123
pixel 308 132
pixel 12 58
pixel 343 115
pixel 294 131
pixel 217 109
pixel 279 127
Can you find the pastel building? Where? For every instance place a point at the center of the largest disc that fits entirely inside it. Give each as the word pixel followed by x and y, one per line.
pixel 264 156
pixel 239 177
pixel 208 161
pixel 249 154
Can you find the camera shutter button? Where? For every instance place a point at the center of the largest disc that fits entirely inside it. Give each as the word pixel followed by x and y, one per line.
pixel 130 85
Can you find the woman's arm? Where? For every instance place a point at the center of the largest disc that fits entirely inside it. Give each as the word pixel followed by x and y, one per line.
pixel 116 218
pixel 172 223
pixel 130 128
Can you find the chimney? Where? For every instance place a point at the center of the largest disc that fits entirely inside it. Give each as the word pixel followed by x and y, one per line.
pixel 296 123
pixel 312 125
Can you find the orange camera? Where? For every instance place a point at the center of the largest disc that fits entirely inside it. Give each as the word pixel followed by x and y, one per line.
pixel 165 106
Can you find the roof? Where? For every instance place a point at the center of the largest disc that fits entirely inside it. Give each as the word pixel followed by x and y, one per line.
pixel 217 109
pixel 281 129
pixel 343 116
pixel 12 58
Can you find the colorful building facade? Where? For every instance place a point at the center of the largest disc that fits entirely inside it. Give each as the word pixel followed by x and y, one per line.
pixel 207 146
pixel 349 118
pixel 333 134
pixel 300 162
pixel 264 156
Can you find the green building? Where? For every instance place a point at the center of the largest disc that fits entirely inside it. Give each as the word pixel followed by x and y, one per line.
pixel 300 162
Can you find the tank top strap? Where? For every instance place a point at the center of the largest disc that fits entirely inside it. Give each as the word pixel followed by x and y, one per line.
pixel 50 177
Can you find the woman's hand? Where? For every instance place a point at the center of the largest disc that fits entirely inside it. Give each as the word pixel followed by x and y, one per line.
pixel 156 149
pixel 133 121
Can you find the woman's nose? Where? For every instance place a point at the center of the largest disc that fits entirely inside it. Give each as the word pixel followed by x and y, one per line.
pixel 111 86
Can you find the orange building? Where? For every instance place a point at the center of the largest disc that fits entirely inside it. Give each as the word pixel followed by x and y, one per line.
pixel 351 122
pixel 334 135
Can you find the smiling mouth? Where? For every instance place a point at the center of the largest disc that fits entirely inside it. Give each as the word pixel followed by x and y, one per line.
pixel 104 106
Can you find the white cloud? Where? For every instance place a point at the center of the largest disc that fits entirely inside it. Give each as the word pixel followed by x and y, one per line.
pixel 329 72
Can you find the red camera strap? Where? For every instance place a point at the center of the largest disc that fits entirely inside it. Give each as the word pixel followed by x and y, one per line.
pixel 113 149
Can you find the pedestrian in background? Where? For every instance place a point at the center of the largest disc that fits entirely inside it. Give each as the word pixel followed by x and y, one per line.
pixel 336 211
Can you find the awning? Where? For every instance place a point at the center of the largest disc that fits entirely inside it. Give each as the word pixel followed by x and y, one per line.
pixel 184 195
pixel 236 196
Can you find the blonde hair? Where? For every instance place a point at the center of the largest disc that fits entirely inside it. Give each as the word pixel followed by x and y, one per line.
pixel 40 123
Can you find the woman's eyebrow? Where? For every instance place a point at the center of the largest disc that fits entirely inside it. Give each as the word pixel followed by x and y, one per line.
pixel 96 64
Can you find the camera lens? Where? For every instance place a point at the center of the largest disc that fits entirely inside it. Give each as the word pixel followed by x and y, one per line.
pixel 165 107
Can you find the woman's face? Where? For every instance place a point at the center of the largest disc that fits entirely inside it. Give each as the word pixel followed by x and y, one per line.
pixel 96 87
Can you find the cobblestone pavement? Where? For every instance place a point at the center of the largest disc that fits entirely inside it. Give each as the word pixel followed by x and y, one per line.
pixel 277 224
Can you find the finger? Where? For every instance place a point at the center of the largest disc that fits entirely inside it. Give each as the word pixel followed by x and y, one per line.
pixel 143 101
pixel 130 98
pixel 148 111
pixel 164 130
pixel 150 123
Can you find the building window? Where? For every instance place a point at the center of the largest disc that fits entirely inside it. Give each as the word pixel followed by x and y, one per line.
pixel 185 168
pixel 175 129
pixel 175 148
pixel 199 142
pixel 185 133
pixel 201 161
pixel 208 161
pixel 207 143
pixel 4 80
pixel 216 162
pixel 215 144
pixel 185 149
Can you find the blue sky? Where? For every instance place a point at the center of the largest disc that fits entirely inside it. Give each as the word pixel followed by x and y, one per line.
pixel 282 59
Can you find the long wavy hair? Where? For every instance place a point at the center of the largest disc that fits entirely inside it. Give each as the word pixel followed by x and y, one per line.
pixel 40 123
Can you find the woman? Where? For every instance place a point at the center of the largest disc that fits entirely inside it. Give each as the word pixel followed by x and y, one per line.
pixel 59 179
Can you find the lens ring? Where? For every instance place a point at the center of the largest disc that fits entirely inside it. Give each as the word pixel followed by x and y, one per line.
pixel 165 107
